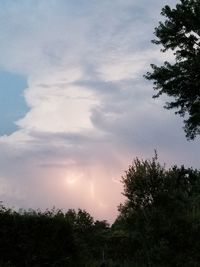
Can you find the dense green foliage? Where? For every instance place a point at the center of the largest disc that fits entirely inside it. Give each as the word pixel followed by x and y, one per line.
pixel 161 215
pixel 50 238
pixel 35 239
pixel 180 33
pixel 158 225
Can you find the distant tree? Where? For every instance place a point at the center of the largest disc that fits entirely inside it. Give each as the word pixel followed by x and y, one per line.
pixel 161 214
pixel 90 235
pixel 34 238
pixel 180 33
pixel 51 238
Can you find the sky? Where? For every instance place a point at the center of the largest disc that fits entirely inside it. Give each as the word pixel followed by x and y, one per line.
pixel 75 109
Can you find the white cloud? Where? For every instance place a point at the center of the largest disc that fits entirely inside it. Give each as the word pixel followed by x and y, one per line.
pixel 58 108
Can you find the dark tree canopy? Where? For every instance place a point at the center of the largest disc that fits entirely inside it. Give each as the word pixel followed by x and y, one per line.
pixel 161 214
pixel 180 33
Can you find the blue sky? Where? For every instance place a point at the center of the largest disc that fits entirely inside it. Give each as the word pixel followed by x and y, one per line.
pixel 13 105
pixel 79 109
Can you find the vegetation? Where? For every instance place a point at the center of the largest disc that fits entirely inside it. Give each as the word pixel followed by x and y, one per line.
pixel 158 225
pixel 161 215
pixel 180 33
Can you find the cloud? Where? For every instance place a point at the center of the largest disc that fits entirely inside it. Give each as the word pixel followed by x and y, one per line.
pixel 90 110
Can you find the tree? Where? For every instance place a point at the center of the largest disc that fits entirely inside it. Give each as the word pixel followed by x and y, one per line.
pixel 161 214
pixel 34 238
pixel 180 33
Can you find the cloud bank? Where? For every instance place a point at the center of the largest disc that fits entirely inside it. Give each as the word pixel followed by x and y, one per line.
pixel 90 110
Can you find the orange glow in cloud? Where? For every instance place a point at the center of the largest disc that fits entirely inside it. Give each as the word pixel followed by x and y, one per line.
pixel 92 189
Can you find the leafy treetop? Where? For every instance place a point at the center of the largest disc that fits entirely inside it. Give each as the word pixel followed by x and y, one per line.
pixel 180 33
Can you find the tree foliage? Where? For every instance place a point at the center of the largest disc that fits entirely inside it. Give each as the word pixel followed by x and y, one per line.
pixel 161 214
pixel 180 33
pixel 51 238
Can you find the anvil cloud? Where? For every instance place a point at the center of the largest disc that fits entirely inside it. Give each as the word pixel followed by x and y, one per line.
pixel 90 111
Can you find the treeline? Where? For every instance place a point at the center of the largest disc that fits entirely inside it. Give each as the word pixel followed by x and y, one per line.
pixel 50 238
pixel 158 226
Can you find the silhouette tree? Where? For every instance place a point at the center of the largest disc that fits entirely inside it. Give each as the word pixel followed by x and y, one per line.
pixel 161 214
pixel 180 33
